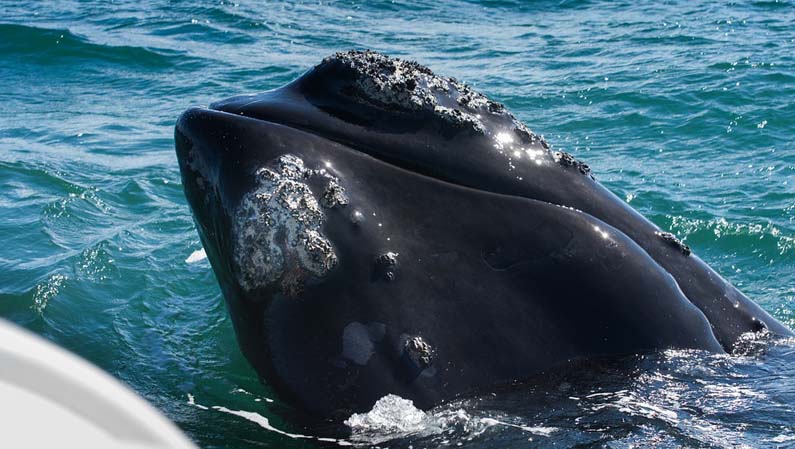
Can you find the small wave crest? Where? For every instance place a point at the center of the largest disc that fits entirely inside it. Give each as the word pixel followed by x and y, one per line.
pixel 196 256
pixel 54 45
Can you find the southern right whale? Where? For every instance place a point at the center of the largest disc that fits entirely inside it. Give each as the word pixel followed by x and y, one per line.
pixel 376 228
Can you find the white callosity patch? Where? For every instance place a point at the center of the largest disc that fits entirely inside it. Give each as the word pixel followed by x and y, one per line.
pixel 419 351
pixel 278 227
pixel 409 86
pixel 460 119
pixel 333 194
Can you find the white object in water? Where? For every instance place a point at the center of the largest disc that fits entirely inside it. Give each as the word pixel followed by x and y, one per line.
pixel 196 256
pixel 51 398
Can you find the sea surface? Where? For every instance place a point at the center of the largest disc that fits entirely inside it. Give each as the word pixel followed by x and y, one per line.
pixel 686 110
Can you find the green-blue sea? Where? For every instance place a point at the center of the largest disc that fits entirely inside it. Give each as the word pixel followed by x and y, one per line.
pixel 686 110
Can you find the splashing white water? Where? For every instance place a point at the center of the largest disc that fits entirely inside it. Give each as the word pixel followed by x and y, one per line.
pixel 262 422
pixel 395 417
pixel 390 414
pixel 196 256
pixel 535 430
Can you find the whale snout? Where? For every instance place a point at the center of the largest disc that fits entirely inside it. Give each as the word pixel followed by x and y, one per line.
pixel 260 193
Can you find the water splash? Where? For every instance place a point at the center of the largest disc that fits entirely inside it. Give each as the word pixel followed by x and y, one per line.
pixel 46 291
pixel 196 256
pixel 396 420
pixel 391 415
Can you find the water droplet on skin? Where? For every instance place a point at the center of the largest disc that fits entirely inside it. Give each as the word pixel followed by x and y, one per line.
pixel 357 217
pixel 601 232
pixel 503 138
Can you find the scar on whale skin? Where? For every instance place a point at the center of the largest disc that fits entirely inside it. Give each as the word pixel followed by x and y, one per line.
pixel 278 223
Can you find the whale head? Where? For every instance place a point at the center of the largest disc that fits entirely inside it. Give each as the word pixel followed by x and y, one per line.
pixel 376 228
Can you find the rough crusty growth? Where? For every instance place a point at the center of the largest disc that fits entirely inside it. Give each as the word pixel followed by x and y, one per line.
pixel 675 242
pixel 385 265
pixel 334 194
pixel 419 351
pixel 567 160
pixel 407 86
pixel 278 228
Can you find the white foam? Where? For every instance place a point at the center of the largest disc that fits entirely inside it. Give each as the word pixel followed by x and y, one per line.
pixel 278 228
pixel 262 421
pixel 395 417
pixel 535 430
pixel 196 256
pixel 390 414
pixel 192 401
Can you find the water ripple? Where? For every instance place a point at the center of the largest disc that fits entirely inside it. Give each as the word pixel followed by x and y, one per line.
pixel 683 109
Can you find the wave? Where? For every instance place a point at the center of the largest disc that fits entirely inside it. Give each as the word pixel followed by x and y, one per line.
pixel 53 46
pixel 673 398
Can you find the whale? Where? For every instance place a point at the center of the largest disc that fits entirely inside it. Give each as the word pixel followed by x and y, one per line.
pixel 376 229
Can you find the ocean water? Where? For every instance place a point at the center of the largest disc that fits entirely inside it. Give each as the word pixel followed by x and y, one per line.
pixel 684 109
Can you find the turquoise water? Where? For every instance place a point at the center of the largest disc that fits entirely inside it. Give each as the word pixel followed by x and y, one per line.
pixel 686 111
